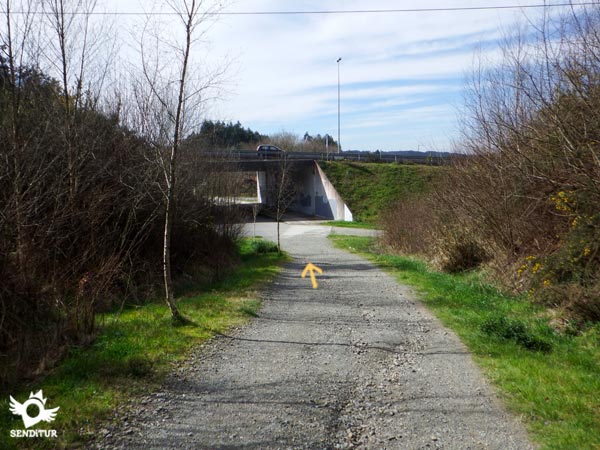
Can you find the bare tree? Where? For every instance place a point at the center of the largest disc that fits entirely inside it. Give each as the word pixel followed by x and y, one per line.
pixel 13 52
pixel 170 100
pixel 255 210
pixel 72 53
pixel 283 190
pixel 286 140
pixel 76 192
pixel 531 185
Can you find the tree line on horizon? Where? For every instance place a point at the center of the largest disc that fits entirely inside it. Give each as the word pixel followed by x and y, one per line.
pixel 221 135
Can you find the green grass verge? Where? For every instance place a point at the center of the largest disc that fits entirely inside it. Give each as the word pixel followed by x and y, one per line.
pixel 357 224
pixel 135 349
pixel 369 188
pixel 552 380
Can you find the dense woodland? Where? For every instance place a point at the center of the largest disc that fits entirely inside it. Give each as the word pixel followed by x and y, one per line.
pixel 219 135
pixel 81 212
pixel 525 203
pixel 85 184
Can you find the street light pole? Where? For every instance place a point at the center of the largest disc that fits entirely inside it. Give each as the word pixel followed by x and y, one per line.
pixel 339 142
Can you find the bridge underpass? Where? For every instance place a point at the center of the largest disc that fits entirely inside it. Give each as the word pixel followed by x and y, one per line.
pixel 311 193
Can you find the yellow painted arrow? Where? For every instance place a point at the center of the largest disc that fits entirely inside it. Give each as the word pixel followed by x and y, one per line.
pixel 310 267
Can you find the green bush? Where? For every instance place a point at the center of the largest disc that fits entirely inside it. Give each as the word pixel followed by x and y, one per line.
pixel 517 331
pixel 260 247
pixel 567 278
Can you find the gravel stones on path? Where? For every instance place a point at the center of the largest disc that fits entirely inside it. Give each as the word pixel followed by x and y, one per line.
pixel 356 363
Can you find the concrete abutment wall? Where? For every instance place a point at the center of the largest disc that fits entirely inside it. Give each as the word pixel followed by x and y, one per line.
pixel 315 194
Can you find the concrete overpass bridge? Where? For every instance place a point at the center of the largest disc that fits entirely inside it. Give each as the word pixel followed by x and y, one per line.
pixel 306 188
pixel 314 194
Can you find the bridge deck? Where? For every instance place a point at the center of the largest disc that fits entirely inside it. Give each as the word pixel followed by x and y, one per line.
pixel 257 165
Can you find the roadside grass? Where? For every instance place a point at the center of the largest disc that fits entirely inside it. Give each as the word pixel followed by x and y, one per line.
pixel 357 224
pixel 369 188
pixel 135 349
pixel 550 379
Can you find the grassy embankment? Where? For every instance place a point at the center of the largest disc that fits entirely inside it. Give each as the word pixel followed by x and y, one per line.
pixel 135 349
pixel 552 380
pixel 353 224
pixel 369 188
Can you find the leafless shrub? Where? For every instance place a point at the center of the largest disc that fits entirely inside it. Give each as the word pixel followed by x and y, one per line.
pixel 408 225
pixel 287 141
pixel 527 194
pixel 80 205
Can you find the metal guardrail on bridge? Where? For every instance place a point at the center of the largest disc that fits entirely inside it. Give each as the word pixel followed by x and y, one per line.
pixel 251 155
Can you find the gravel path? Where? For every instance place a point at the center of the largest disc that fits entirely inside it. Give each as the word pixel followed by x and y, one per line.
pixel 356 363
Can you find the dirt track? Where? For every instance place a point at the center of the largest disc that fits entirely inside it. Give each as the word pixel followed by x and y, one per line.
pixel 356 363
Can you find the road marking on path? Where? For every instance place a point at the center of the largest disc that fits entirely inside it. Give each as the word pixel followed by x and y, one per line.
pixel 310 267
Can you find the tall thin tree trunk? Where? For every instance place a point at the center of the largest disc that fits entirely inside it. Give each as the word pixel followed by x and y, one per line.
pixel 171 174
pixel 61 31
pixel 14 138
pixel 175 315
pixel 278 235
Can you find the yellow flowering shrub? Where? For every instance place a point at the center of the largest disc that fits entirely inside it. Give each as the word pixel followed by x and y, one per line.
pixel 564 201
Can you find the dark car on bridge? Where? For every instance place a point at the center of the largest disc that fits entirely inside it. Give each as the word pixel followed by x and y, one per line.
pixel 269 151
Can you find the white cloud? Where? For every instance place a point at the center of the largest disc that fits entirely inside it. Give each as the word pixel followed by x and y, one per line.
pixel 400 72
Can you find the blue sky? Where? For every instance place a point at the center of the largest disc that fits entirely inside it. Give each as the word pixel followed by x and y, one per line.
pixel 402 74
